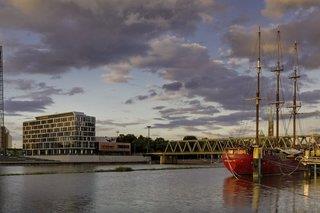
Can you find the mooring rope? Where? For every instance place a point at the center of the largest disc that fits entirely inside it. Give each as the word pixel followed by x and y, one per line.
pixel 283 164
pixel 234 173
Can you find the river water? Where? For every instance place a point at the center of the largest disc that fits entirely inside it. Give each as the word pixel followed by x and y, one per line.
pixel 80 189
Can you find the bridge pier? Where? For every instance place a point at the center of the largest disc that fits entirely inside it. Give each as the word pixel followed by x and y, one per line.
pixel 166 159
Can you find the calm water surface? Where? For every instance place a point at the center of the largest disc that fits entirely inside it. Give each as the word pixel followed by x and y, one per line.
pixel 184 190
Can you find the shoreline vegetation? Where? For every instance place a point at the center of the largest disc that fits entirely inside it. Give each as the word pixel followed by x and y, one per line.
pixel 117 169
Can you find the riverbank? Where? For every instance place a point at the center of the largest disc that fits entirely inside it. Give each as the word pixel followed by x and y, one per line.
pixel 91 168
pixel 73 159
pixel 21 160
pixel 93 159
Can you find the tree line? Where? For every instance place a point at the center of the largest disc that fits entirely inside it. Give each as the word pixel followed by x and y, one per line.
pixel 143 144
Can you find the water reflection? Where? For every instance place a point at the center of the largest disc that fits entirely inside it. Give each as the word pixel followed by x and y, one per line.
pixel 47 192
pixel 273 194
pixel 184 190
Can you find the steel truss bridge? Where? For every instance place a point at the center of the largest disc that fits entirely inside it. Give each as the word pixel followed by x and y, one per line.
pixel 217 146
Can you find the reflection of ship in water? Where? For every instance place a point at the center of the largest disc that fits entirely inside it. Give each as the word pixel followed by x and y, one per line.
pixel 272 194
pixel 236 192
pixel 254 159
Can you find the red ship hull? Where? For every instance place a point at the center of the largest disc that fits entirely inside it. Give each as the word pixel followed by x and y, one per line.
pixel 240 162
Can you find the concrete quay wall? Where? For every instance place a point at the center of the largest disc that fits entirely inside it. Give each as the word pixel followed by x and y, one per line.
pixel 94 158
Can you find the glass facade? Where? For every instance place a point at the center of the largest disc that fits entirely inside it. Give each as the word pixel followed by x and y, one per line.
pixel 71 133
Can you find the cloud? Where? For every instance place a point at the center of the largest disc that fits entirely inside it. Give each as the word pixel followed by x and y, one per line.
pixel 151 93
pixel 12 114
pixel 199 115
pixel 37 96
pixel 79 34
pixel 40 88
pixel 74 91
pixel 142 97
pixel 167 53
pixel 158 107
pixel 242 41
pixel 277 8
pixel 312 114
pixel 311 97
pixel 189 64
pixel 118 73
pixel 185 123
pixel 129 101
pixel 182 120
pixel 192 129
pixel 187 117
pixel 234 118
pixel 195 108
pixel 302 115
pixel 33 105
pixel 110 122
pixel 174 86
pixel 104 129
pixel 21 84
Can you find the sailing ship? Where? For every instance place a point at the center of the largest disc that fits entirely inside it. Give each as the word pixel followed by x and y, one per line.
pixel 241 161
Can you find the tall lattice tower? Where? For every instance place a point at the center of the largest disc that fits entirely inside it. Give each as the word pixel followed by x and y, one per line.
pixel 2 127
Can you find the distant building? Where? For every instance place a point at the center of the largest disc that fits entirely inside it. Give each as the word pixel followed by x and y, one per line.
pixel 109 146
pixel 7 139
pixel 71 133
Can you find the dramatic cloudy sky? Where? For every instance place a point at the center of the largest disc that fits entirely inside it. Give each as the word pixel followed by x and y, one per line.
pixel 181 66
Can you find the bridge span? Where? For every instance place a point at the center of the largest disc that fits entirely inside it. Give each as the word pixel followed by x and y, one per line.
pixel 217 146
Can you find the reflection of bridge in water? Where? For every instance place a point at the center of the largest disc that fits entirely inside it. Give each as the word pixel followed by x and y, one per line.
pixel 217 146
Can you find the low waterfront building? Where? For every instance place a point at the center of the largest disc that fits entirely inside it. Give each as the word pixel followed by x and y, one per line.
pixel 71 133
pixel 109 146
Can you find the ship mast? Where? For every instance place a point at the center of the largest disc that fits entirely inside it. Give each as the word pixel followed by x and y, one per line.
pixel 295 106
pixel 278 70
pixel 258 87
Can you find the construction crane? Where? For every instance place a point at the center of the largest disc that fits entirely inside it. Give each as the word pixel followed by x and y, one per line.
pixel 2 127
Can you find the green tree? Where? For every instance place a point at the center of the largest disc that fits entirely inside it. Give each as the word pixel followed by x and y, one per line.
pixel 189 137
pixel 143 144
pixel 140 145
pixel 129 138
pixel 159 145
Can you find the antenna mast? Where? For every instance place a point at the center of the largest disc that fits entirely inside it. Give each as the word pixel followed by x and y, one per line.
pixel 258 87
pixel 296 105
pixel 278 70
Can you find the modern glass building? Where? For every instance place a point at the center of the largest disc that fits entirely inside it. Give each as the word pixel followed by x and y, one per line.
pixel 71 133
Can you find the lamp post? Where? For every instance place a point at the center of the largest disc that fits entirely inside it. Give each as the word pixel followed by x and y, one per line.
pixel 148 127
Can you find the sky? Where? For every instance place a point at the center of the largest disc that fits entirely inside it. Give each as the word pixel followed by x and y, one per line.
pixel 184 67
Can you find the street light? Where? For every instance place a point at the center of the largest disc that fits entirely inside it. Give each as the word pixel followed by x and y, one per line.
pixel 149 127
